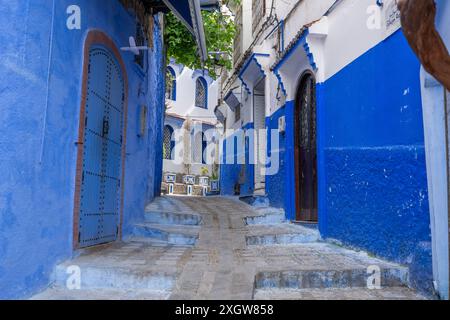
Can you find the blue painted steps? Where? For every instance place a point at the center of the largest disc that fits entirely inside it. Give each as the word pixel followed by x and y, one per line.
pixel 169 228
pixel 103 276
pixel 266 215
pixel 169 218
pixel 171 234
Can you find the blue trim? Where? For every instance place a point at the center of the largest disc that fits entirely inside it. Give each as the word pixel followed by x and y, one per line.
pixel 227 95
pixel 204 74
pixel 173 94
pixel 321 163
pixel 205 86
pixel 230 104
pixel 292 48
pixel 247 64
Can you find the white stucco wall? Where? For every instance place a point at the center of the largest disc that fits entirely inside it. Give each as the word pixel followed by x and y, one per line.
pixel 184 105
pixel 351 29
pixel 182 108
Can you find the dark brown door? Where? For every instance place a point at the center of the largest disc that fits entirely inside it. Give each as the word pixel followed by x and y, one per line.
pixel 305 150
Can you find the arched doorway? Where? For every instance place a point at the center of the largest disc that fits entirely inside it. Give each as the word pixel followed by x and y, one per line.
pixel 306 150
pixel 101 146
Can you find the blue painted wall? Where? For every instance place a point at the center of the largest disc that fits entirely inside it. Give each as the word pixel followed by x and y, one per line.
pixel 371 162
pixel 374 186
pixel 230 173
pixel 280 187
pixel 276 187
pixel 39 128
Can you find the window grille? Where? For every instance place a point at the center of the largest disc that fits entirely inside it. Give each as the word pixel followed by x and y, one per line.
pixel 201 94
pixel 171 85
pixel 168 144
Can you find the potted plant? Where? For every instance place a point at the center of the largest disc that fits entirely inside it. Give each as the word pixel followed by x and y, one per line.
pixel 204 178
pixel 215 179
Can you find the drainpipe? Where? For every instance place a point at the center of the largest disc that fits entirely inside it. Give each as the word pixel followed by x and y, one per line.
pixel 447 140
pixel 50 56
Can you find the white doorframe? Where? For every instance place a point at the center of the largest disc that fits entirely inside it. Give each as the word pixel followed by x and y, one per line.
pixel 259 121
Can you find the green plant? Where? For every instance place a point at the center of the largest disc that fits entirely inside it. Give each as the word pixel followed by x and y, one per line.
pixel 204 171
pixel 215 175
pixel 219 32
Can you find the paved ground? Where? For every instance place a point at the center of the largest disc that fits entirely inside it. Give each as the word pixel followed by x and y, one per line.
pixel 226 262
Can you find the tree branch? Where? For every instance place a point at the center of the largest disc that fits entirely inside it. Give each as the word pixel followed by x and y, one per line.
pixel 418 23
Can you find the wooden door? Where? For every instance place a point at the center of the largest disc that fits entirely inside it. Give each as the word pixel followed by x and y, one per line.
pixel 306 150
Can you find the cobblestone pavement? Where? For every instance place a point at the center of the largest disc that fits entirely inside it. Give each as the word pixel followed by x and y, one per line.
pixel 221 265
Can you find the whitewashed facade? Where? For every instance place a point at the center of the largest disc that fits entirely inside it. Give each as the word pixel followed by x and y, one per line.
pixel 350 62
pixel 183 112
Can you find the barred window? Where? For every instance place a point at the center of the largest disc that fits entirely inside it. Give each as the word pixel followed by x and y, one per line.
pixel 171 84
pixel 168 143
pixel 201 93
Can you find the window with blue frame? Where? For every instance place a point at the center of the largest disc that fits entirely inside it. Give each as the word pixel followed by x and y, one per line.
pixel 171 84
pixel 201 93
pixel 168 143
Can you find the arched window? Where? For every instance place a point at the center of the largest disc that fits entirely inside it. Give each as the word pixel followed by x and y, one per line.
pixel 198 148
pixel 171 84
pixel 201 93
pixel 168 143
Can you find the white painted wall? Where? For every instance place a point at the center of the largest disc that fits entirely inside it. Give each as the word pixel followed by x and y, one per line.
pixel 344 30
pixel 351 30
pixel 184 107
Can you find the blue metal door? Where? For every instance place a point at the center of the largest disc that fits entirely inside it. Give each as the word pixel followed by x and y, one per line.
pixel 102 150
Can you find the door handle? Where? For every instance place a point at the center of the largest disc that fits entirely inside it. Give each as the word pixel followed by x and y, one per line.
pixel 105 127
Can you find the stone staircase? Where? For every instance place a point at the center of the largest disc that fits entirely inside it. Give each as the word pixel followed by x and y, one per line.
pixel 171 228
pixel 221 248
pixel 269 226
pixel 322 268
pixel 119 271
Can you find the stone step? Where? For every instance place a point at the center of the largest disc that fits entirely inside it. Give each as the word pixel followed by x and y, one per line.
pixel 266 216
pixel 58 293
pixel 159 217
pixel 391 293
pixel 150 241
pixel 319 279
pixel 172 234
pixel 280 239
pixel 94 276
pixel 280 234
pixel 256 201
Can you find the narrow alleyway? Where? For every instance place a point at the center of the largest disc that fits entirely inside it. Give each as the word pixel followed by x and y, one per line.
pixel 221 248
